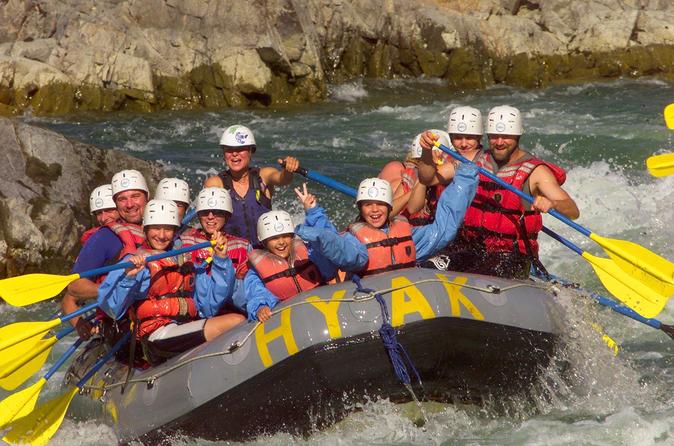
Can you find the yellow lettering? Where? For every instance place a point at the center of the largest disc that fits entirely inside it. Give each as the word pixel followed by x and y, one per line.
pixel 285 331
pixel 329 312
pixel 456 297
pixel 401 306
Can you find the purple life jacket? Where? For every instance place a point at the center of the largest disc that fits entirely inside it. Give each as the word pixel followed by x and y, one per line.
pixel 247 209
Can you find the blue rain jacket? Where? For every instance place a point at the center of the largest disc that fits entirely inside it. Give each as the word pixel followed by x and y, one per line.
pixel 118 291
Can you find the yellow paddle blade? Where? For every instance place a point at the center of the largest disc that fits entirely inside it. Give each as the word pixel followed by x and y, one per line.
pixel 661 165
pixel 40 425
pixel 32 288
pixel 669 116
pixel 13 334
pixel 16 372
pixel 641 263
pixel 632 292
pixel 608 340
pixel 20 404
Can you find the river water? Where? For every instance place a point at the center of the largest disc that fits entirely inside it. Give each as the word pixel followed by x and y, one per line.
pixel 601 132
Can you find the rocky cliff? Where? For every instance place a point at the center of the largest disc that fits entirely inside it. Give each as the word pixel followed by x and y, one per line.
pixel 44 194
pixel 59 56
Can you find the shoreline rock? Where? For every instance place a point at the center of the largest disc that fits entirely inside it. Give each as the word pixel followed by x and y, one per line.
pixel 44 195
pixel 148 55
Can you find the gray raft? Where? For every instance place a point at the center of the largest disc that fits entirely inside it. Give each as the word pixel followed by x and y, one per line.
pixel 469 336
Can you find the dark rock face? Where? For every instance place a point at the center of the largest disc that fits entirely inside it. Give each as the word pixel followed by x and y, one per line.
pixel 45 183
pixel 142 55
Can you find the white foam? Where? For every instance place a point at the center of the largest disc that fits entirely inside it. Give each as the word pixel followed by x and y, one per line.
pixel 348 92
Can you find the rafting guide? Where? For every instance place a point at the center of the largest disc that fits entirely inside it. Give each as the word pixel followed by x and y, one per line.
pixel 426 290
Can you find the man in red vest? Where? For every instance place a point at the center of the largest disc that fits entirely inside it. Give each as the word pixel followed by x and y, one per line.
pixel 499 234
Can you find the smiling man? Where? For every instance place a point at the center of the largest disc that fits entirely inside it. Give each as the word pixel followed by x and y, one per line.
pixel 500 232
pixel 251 188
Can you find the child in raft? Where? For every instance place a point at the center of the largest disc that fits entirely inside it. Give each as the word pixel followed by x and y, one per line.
pixel 169 299
pixel 286 266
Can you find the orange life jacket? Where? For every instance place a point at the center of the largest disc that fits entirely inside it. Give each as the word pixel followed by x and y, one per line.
pixel 286 277
pixel 498 219
pixel 169 296
pixel 386 252
pixel 131 236
pixel 237 249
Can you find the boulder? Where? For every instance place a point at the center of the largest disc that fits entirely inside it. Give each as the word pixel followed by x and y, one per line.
pixel 45 182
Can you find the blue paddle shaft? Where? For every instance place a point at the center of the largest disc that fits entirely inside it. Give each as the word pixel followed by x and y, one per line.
pixel 327 181
pixel 516 191
pixel 64 357
pixel 101 362
pixel 63 333
pixel 163 255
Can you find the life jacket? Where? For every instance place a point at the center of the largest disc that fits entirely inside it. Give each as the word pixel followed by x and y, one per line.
pixel 169 296
pixel 386 252
pixel 131 236
pixel 498 219
pixel 425 215
pixel 237 249
pixel 286 277
pixel 247 209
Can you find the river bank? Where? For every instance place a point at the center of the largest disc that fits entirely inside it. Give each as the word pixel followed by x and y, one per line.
pixel 142 56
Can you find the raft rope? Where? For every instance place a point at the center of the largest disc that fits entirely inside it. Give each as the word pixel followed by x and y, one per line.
pixel 366 295
pixel 399 357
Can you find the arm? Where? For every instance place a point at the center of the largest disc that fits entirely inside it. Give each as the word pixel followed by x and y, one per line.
pixel 275 177
pixel 344 251
pixel 549 194
pixel 213 181
pixel 316 217
pixel 429 173
pixel 99 249
pixel 449 214
pixel 327 269
pixel 119 291
pixel 212 291
pixel 258 295
pixel 417 199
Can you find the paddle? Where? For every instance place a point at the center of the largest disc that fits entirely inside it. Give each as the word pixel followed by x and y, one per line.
pixel 661 165
pixel 640 264
pixel 32 288
pixel 12 334
pixel 625 287
pixel 669 116
pixel 21 403
pixel 21 365
pixel 41 424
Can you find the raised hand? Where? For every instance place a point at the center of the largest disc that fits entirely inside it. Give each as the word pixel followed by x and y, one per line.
pixel 307 199
pixel 289 163
pixel 220 247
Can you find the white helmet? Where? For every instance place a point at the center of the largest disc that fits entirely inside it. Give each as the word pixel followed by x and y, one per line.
pixel 173 189
pixel 101 198
pixel 504 120
pixel 273 223
pixel 214 198
pixel 128 180
pixel 375 189
pixel 161 212
pixel 465 121
pixel 238 136
pixel 416 150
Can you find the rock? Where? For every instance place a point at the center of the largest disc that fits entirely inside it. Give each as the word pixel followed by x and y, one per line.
pixel 45 182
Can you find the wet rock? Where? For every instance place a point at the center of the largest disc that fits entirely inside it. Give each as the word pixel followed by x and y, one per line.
pixel 45 181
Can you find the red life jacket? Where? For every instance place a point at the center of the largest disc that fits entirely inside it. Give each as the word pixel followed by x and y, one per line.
pixel 237 249
pixel 498 219
pixel 169 296
pixel 427 213
pixel 131 236
pixel 386 252
pixel 286 277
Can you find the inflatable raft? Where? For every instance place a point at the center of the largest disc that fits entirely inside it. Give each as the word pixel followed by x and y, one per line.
pixel 468 336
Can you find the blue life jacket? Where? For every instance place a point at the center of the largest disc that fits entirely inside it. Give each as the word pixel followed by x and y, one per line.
pixel 247 209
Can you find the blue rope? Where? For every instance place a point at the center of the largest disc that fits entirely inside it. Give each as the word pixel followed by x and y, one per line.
pixel 399 358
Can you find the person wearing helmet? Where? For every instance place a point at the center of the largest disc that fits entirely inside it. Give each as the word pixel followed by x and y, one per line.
pixel 103 208
pixel 173 303
pixel 251 188
pixel 177 190
pixel 411 198
pixel 390 242
pixel 214 208
pixel 285 266
pixel 499 235
pixel 129 192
